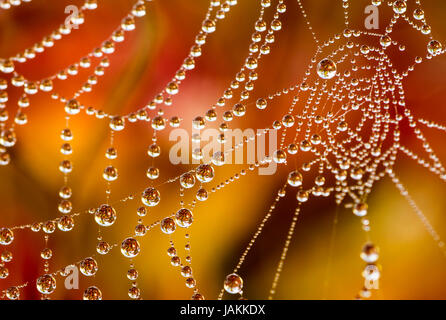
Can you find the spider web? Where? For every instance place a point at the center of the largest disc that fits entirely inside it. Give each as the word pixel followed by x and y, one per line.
pixel 339 135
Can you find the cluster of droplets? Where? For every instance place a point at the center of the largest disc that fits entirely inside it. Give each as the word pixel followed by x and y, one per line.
pixel 7 4
pixel 185 268
pixel 6 238
pixel 371 272
pixel 352 77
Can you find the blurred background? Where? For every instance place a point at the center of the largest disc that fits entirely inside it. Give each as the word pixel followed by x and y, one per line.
pixel 413 267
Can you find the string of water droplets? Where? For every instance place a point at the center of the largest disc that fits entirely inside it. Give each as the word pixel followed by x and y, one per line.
pixel 348 159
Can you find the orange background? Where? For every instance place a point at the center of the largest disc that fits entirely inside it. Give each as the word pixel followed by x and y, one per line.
pixel 413 267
